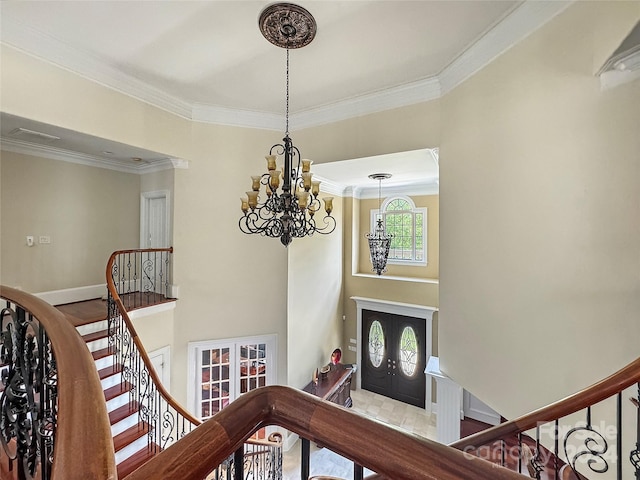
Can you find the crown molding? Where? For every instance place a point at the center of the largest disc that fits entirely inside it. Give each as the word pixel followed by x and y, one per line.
pixel 53 153
pixel 331 187
pixel 514 27
pixel 237 118
pixel 408 189
pixel 395 97
pixel 38 44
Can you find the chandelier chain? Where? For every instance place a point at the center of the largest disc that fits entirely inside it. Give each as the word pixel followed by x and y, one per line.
pixel 287 96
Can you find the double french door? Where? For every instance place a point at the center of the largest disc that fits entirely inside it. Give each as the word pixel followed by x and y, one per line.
pixel 225 369
pixel 394 356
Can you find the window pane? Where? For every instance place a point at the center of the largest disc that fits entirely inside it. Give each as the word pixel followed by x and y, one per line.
pixel 408 351
pixel 376 343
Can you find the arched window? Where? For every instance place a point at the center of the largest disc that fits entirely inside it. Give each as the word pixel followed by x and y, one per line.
pixel 408 225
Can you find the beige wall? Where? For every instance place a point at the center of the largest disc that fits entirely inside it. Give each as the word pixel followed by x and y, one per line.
pixel 231 284
pixel 314 301
pixel 87 212
pixel 540 218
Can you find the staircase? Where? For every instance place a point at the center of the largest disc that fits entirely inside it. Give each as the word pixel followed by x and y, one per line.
pixel 129 432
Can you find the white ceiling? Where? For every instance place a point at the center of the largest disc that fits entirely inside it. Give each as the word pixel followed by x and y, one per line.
pixel 207 60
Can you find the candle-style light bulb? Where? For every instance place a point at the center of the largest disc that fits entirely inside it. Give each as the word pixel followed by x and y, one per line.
pixel 253 199
pixel 328 205
pixel 315 187
pixel 271 162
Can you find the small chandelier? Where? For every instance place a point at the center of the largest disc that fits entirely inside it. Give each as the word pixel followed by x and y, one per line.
pixel 379 240
pixel 288 211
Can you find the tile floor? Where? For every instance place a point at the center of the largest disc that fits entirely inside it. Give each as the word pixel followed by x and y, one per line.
pixel 325 462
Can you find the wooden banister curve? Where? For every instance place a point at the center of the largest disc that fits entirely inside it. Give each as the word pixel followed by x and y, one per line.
pixel 599 391
pixel 134 334
pixel 396 455
pixel 83 445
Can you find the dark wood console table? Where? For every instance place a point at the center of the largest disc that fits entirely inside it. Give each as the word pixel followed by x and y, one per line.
pixel 334 386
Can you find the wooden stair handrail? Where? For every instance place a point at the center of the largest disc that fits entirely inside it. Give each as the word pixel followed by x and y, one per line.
pixel 83 444
pixel 134 334
pixel 612 385
pixel 384 449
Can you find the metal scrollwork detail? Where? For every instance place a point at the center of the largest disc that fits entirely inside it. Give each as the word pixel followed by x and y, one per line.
pixel 594 448
pixel 634 457
pixel 28 404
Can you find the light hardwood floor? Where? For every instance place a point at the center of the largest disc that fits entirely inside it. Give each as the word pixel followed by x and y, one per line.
pixel 324 462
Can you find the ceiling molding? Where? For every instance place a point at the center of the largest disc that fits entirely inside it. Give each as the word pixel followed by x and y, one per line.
pixel 331 187
pixel 237 118
pixel 395 97
pixel 54 51
pixel 514 27
pixel 408 189
pixel 53 153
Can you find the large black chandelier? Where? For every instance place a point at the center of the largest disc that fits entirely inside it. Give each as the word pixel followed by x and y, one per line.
pixel 290 210
pixel 379 239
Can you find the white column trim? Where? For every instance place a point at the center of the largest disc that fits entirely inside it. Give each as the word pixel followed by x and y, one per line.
pixel 449 401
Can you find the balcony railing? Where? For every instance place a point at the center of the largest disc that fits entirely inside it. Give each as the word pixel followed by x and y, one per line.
pixel 141 277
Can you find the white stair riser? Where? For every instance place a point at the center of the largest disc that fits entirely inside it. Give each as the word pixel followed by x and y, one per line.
pixel 92 327
pixel 110 381
pixel 117 402
pixel 98 344
pixel 104 362
pixel 131 449
pixel 125 423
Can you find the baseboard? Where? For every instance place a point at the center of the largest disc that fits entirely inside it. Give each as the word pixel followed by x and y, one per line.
pixel 71 295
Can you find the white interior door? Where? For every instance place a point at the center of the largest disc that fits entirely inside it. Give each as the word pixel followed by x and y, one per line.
pixel 154 219
pixel 161 359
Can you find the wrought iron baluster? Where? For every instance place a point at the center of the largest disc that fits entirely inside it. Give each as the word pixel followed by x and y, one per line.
pixel 358 472
pixel 238 463
pixel 519 452
pixel 619 436
pixel 594 448
pixel 28 403
pixel 556 435
pixel 634 456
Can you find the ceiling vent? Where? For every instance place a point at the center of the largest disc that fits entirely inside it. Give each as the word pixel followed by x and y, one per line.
pixel 32 135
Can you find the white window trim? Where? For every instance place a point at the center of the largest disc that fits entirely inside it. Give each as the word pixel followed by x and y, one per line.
pixel 376 212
